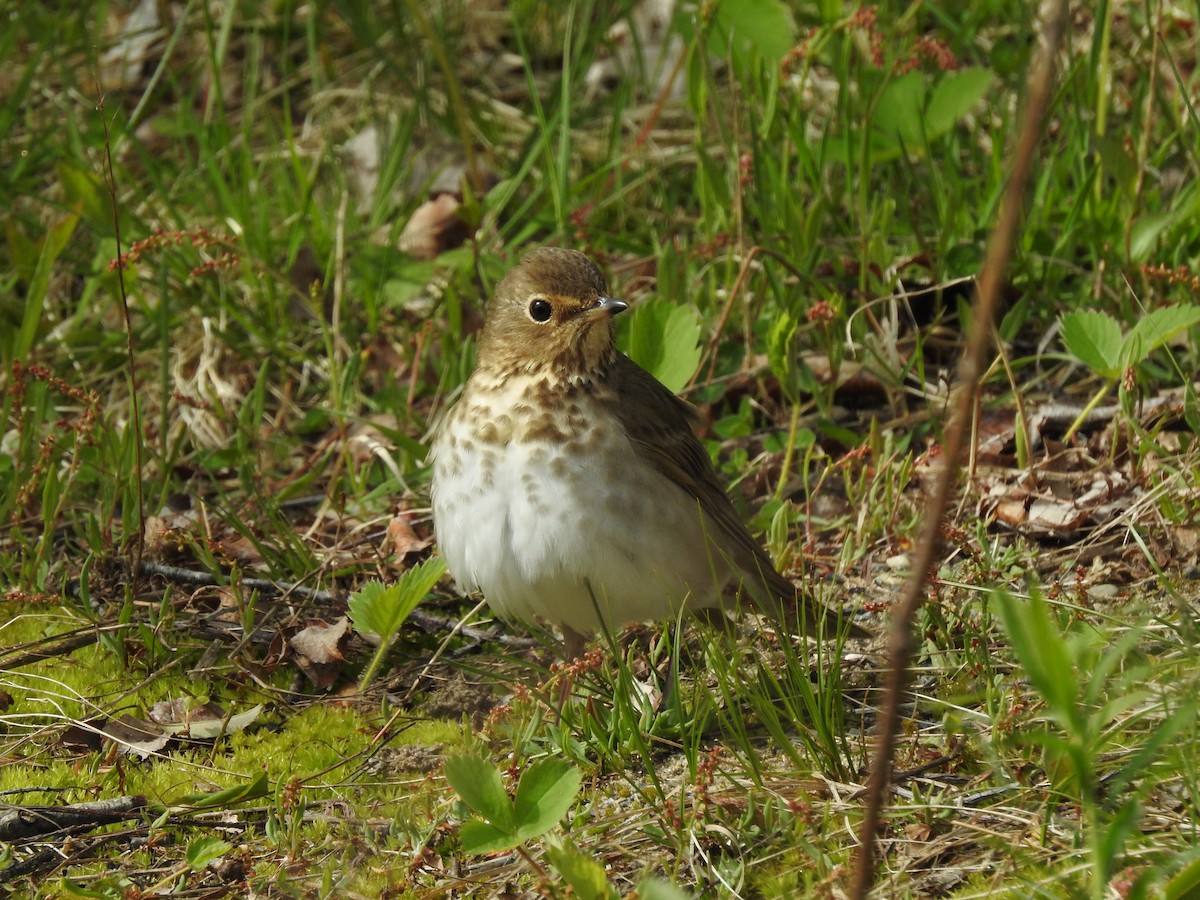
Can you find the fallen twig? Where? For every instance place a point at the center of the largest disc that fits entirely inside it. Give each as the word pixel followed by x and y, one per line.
pixel 51 647
pixel 19 822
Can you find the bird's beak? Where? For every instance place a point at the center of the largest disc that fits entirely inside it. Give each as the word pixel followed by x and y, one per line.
pixel 610 305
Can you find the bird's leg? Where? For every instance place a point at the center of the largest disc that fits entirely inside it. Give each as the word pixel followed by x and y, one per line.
pixel 716 619
pixel 668 692
pixel 573 643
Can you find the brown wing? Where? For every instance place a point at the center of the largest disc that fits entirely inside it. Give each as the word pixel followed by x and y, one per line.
pixel 659 425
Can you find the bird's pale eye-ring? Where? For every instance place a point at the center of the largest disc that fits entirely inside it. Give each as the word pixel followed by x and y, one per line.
pixel 540 310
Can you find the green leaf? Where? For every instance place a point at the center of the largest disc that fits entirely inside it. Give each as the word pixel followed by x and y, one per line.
pixel 1162 735
pixel 898 119
pixel 657 889
pixel 1118 162
pixel 252 790
pixel 916 109
pixel 53 244
pixel 955 94
pixel 478 782
pixel 208 729
pixel 742 29
pixel 1016 317
pixel 372 608
pixel 204 850
pixel 1147 228
pixel 781 354
pixel 1191 408
pixel 85 193
pixel 22 255
pixel 381 609
pixel 478 836
pixel 1185 884
pixel 582 873
pixel 1156 328
pixel 410 283
pixel 1112 838
pixel 1093 338
pixel 544 794
pixel 1043 652
pixel 664 339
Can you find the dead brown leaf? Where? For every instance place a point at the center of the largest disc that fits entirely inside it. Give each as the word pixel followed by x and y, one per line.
pixel 180 712
pixel 135 737
pixel 317 651
pixel 434 228
pixel 83 737
pixel 404 539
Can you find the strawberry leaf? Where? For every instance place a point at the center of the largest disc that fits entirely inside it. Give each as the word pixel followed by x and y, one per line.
pixel 1156 328
pixel 478 782
pixel 1094 338
pixel 544 794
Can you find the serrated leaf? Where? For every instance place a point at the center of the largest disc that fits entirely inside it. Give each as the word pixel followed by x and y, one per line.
pixel 583 874
pixel 954 95
pixel 1094 338
pixel 370 607
pixel 478 836
pixel 1156 328
pixel 544 794
pixel 381 609
pixel 898 117
pixel 745 28
pixel 664 339
pixel 913 111
pixel 781 355
pixel 478 782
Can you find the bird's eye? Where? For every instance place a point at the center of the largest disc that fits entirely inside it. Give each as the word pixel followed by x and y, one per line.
pixel 540 310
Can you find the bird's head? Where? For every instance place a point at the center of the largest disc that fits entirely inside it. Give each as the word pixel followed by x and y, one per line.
pixel 551 314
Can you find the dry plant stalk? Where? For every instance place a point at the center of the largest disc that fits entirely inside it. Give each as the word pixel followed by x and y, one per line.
pixel 999 251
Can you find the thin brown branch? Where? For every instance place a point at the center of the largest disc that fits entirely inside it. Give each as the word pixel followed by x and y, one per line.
pixel 999 252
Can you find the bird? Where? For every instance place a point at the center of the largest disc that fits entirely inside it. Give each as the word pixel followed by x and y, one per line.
pixel 568 485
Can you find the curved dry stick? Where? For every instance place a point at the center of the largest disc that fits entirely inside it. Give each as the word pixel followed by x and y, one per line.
pixel 1000 245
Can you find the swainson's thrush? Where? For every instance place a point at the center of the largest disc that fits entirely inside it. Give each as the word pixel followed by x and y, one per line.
pixel 568 485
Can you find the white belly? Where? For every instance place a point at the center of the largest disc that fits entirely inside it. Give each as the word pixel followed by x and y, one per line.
pixel 576 538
